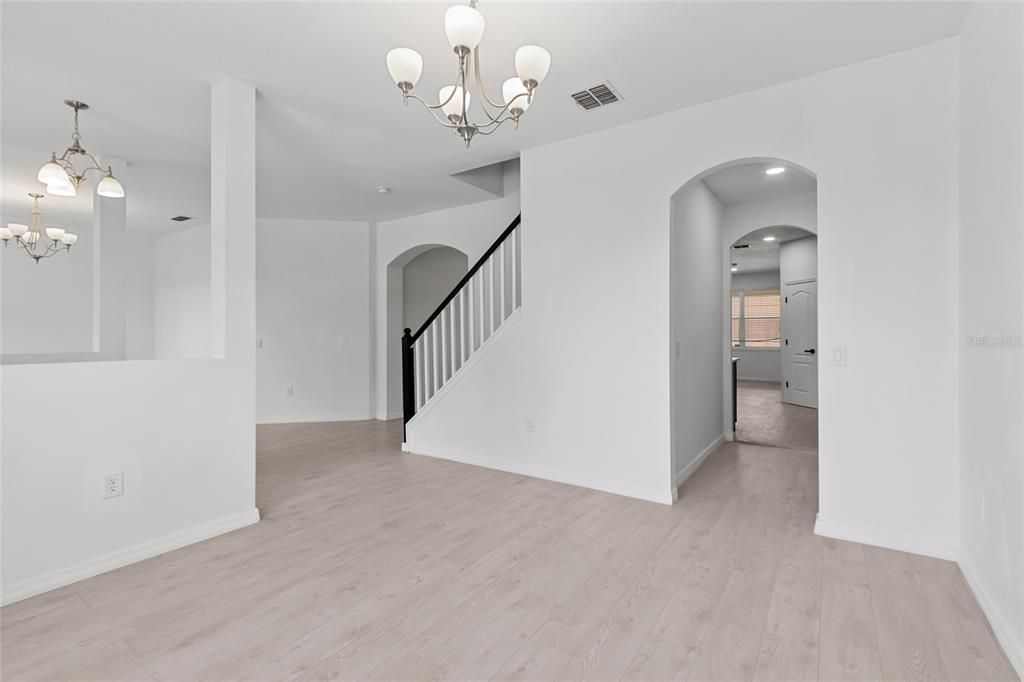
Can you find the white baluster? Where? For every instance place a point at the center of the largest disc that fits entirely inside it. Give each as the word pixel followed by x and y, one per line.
pixel 490 298
pixel 515 270
pixel 437 358
pixel 483 302
pixel 471 285
pixel 501 259
pixel 454 337
pixel 418 373
pixel 445 343
pixel 462 327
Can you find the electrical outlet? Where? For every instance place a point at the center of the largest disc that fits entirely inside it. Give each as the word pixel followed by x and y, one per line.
pixel 344 343
pixel 113 485
pixel 259 342
pixel 290 391
pixel 531 425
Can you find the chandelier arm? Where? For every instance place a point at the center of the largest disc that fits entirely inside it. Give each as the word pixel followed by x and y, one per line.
pixel 497 124
pixel 431 109
pixel 435 106
pixel 498 120
pixel 480 82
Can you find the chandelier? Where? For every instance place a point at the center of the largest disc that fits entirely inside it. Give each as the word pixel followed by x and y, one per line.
pixel 465 27
pixel 61 177
pixel 37 244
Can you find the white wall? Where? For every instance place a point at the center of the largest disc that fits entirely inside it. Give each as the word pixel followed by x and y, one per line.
pixel 696 321
pixel 181 296
pixel 755 281
pixel 180 430
pixel 47 306
pixel 797 210
pixel 470 229
pixel 313 318
pixel 427 279
pixel 798 259
pixel 591 349
pixel 992 306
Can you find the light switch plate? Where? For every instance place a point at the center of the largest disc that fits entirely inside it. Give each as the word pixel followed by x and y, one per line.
pixel 838 356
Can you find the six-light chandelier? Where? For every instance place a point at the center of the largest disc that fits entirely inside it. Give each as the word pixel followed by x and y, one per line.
pixel 465 27
pixel 36 242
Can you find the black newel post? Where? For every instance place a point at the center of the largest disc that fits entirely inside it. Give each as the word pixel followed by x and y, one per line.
pixel 408 380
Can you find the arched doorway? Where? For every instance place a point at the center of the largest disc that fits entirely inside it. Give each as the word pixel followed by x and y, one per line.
pixel 709 215
pixel 418 279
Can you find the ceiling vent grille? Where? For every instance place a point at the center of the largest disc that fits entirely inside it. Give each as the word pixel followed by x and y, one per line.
pixel 599 95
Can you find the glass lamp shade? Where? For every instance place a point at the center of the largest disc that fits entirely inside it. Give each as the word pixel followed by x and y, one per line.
pixel 532 63
pixel 52 174
pixel 109 187
pixel 405 65
pixel 454 105
pixel 511 89
pixel 5 233
pixel 68 239
pixel 54 233
pixel 62 189
pixel 464 26
pixel 17 229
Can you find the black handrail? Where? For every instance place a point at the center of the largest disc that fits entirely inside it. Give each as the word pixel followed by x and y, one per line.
pixel 469 275
pixel 408 338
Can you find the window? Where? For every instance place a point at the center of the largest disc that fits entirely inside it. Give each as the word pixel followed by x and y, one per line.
pixel 755 319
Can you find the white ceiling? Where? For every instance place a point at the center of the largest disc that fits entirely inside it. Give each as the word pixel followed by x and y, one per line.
pixel 748 182
pixel 330 124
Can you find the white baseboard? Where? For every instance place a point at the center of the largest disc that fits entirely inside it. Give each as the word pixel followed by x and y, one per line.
pixel 558 476
pixel 316 418
pixel 997 618
pixel 128 555
pixel 383 417
pixel 885 538
pixel 697 461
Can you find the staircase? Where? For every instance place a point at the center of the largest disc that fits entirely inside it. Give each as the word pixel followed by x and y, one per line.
pixel 462 325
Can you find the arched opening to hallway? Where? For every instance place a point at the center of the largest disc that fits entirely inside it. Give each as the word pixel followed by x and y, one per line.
pixel 418 279
pixel 729 225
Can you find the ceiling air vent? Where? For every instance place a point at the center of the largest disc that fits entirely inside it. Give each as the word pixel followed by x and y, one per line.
pixel 181 218
pixel 596 96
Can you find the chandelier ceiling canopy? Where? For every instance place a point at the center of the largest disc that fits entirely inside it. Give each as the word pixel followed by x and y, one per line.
pixel 464 25
pixel 61 177
pixel 36 242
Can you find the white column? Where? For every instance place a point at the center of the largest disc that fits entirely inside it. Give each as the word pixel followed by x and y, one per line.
pixel 233 219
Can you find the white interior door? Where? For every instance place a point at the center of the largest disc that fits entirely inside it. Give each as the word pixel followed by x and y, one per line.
pixel 800 343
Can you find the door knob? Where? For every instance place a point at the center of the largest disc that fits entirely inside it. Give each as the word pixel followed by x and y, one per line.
pixel 809 350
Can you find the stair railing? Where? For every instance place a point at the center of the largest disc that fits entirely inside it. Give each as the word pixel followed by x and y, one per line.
pixel 467 317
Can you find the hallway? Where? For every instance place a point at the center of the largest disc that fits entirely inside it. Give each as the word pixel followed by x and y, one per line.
pixel 763 419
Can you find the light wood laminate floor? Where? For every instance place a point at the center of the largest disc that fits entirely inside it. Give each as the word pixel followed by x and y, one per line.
pixel 373 564
pixel 765 420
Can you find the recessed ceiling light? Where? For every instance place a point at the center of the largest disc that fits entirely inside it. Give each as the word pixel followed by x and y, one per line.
pixel 734 269
pixel 383 190
pixel 769 238
pixel 775 170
